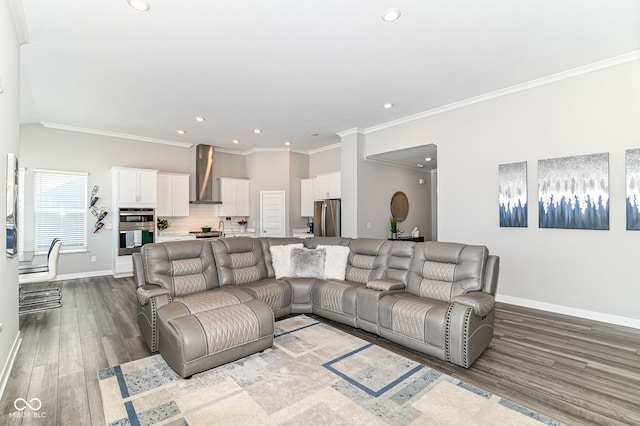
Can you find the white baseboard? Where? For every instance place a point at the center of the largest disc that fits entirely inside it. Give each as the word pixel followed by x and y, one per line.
pixel 567 310
pixel 82 275
pixel 6 371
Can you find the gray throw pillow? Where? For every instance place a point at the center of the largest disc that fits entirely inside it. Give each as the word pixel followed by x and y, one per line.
pixel 306 263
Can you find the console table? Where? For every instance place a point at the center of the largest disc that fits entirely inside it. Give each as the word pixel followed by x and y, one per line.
pixel 416 239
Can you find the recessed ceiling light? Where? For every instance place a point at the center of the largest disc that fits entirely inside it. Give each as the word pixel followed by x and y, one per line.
pixel 200 119
pixel 315 134
pixel 236 141
pixel 391 15
pixel 388 105
pixel 182 132
pixel 139 5
pixel 427 159
pixel 257 131
pixel 287 143
pixel 420 165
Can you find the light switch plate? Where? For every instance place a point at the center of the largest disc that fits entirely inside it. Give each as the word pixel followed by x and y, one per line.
pixel 1 86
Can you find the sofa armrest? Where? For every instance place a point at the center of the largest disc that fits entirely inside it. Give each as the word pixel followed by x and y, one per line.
pixel 482 303
pixel 385 285
pixel 138 269
pixel 146 292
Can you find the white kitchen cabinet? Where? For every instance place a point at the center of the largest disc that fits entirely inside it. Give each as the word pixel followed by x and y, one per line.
pixel 328 185
pixel 175 237
pixel 235 196
pixel 307 196
pixel 173 194
pixel 134 187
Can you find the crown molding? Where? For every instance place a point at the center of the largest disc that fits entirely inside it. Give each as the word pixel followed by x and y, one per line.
pixel 399 164
pixel 353 131
pixel 617 60
pixel 325 148
pixel 256 150
pixel 114 134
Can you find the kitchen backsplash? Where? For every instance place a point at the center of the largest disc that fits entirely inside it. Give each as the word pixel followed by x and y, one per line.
pixel 200 215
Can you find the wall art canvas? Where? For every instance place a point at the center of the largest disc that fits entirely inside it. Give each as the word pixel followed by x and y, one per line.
pixel 632 162
pixel 573 192
pixel 12 204
pixel 512 194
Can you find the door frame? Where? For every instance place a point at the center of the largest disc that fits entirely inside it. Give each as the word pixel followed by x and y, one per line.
pixel 284 210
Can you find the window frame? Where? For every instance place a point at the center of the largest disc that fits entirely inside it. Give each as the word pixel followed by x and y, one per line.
pixel 68 246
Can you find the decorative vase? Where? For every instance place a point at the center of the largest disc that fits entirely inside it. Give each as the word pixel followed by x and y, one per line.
pixel 243 228
pixel 394 235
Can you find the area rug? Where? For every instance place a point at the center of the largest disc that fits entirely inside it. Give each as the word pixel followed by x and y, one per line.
pixel 313 375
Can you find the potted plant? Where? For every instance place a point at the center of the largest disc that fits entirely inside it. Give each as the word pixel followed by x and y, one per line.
pixel 393 222
pixel 162 224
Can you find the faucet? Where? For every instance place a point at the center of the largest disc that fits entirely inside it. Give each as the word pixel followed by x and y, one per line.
pixel 221 228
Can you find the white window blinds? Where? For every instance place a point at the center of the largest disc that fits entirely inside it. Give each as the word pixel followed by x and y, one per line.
pixel 60 208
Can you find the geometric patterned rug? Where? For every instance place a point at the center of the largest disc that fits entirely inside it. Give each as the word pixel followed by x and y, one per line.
pixel 313 375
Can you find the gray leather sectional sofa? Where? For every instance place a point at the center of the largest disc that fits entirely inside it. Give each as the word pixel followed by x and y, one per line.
pixel 203 303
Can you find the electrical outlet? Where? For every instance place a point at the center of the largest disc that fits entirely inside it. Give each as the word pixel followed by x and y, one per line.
pixel 93 259
pixel 368 225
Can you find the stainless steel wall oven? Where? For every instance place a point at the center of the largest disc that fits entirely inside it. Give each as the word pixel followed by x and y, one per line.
pixel 136 227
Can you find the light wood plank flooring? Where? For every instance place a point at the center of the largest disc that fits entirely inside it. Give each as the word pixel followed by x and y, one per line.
pixel 574 370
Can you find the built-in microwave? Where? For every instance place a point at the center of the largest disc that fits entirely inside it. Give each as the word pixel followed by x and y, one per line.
pixel 136 228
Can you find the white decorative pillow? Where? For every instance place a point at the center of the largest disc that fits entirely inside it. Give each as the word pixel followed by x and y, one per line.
pixel 281 258
pixel 335 264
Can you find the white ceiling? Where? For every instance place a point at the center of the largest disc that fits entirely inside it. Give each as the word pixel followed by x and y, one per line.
pixel 295 68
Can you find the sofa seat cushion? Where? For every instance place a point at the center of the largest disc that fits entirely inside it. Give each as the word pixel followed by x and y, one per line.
pixel 274 293
pixel 415 318
pixel 213 299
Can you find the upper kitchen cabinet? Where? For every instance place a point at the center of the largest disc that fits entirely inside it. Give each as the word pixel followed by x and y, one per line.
pixel 307 196
pixel 235 196
pixel 173 194
pixel 328 185
pixel 134 187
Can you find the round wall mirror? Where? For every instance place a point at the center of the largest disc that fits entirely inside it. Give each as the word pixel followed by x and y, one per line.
pixel 399 206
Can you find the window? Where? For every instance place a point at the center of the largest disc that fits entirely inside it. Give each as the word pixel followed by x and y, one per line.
pixel 60 209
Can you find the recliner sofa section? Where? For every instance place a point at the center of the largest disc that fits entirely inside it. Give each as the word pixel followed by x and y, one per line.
pixel 443 311
pixel 434 297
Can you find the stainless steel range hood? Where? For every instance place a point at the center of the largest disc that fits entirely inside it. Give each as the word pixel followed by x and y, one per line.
pixel 204 175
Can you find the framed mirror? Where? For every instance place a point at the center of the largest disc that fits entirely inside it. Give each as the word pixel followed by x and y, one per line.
pixel 399 206
pixel 12 204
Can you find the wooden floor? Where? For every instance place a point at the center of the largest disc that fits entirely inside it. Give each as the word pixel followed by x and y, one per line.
pixel 574 370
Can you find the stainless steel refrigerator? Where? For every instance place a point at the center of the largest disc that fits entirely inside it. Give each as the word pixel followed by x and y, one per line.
pixel 326 218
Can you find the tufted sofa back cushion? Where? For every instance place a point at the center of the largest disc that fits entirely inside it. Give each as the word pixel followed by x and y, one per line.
pixel 367 260
pixel 399 260
pixel 314 242
pixel 442 271
pixel 240 260
pixel 184 267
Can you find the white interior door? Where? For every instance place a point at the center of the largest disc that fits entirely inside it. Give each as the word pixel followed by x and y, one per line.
pixel 272 218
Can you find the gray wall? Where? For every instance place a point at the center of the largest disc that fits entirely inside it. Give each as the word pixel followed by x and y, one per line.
pixel 378 183
pixel 367 188
pixel 325 161
pixel 298 169
pixel 268 171
pixel 9 135
pixel 585 273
